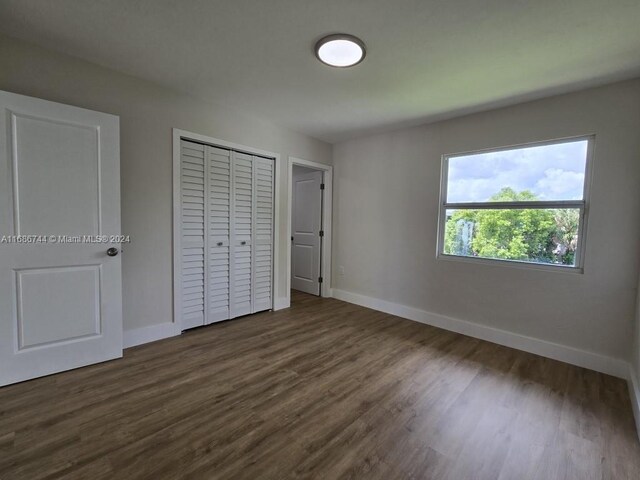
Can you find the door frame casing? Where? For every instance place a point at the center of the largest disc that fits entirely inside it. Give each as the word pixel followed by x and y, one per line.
pixel 178 135
pixel 325 267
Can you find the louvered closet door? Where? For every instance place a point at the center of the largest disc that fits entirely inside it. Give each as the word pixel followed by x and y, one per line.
pixel 192 175
pixel 263 234
pixel 219 215
pixel 242 235
pixel 227 205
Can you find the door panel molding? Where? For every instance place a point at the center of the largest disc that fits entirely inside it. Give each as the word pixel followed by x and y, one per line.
pixel 51 287
pixel 16 140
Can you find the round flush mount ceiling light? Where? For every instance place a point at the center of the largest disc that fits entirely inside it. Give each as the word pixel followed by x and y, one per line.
pixel 340 50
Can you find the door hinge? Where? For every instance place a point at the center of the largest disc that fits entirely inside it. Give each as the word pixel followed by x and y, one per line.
pixel 322 233
pixel 322 186
pixel 319 279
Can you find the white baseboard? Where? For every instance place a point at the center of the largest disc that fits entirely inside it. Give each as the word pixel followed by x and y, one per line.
pixel 138 336
pixel 634 393
pixel 281 302
pixel 582 358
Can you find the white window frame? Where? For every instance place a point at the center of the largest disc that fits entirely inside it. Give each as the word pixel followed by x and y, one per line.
pixel 582 205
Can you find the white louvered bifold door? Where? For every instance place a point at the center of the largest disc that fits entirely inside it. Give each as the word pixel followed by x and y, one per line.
pixel 192 189
pixel 263 234
pixel 219 215
pixel 242 234
pixel 226 236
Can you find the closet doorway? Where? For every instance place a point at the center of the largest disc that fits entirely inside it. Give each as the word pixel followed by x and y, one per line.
pixel 224 230
pixel 310 226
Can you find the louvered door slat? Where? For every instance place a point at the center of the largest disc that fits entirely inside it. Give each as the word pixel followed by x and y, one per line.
pixel 192 231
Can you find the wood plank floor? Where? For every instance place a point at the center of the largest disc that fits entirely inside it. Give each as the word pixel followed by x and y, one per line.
pixel 323 390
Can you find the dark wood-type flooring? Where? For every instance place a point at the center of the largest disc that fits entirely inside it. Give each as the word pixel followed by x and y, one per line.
pixel 323 390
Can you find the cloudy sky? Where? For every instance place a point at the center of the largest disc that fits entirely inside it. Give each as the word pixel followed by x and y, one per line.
pixel 553 172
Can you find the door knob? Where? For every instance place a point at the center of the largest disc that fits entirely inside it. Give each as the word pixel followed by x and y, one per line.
pixel 243 243
pixel 112 252
pixel 219 244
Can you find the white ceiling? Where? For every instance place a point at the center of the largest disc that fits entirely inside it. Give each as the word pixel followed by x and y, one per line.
pixel 426 59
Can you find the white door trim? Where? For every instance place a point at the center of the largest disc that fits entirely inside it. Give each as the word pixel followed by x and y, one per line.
pixel 326 222
pixel 178 135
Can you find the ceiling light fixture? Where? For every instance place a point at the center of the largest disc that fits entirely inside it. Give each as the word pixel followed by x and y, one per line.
pixel 340 50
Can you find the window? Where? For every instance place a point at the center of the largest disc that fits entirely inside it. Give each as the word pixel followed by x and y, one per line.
pixel 525 204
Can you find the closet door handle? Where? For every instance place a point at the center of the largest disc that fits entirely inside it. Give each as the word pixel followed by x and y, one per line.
pixel 243 243
pixel 219 244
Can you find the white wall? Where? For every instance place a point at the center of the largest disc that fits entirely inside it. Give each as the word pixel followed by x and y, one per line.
pixel 147 115
pixel 386 214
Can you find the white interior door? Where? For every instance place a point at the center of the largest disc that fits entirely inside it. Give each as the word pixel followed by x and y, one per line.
pixel 263 234
pixel 306 223
pixel 219 199
pixel 60 303
pixel 224 234
pixel 192 231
